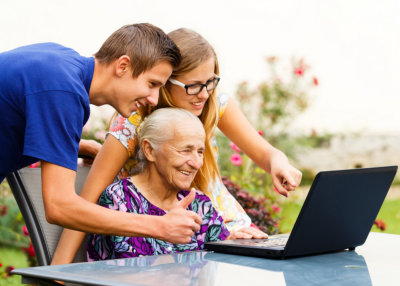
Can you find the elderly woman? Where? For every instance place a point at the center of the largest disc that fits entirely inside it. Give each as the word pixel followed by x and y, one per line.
pixel 172 143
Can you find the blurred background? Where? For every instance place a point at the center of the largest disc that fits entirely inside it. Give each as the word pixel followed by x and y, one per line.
pixel 350 47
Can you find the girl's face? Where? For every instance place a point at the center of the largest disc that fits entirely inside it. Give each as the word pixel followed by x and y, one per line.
pixel 193 103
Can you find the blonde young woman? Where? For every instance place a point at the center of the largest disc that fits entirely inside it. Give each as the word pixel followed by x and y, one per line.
pixel 192 86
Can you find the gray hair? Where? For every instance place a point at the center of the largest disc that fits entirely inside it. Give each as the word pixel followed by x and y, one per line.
pixel 158 128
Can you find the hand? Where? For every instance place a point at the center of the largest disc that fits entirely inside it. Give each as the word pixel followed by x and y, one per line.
pixel 285 177
pixel 248 232
pixel 179 225
pixel 88 149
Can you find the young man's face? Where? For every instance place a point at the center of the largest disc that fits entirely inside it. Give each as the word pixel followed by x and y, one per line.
pixel 131 92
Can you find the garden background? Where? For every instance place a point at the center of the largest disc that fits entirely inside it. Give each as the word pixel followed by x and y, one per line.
pixel 319 80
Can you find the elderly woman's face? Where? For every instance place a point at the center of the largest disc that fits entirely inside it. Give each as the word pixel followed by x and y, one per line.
pixel 178 159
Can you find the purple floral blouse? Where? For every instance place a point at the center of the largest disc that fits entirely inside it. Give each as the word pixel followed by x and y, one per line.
pixel 124 196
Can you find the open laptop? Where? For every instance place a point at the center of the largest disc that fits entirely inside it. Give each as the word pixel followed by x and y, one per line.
pixel 337 214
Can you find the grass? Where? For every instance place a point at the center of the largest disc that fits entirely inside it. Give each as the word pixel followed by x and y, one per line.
pixel 389 213
pixel 12 257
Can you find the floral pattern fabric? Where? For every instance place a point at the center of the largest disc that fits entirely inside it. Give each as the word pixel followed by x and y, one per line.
pixel 124 196
pixel 124 129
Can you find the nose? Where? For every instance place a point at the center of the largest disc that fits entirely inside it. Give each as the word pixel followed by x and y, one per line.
pixel 152 99
pixel 203 93
pixel 196 161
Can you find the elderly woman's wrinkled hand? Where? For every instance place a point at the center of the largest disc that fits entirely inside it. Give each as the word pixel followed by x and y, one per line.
pixel 247 232
pixel 180 224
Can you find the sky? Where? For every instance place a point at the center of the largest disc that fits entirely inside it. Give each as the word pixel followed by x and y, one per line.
pixel 352 47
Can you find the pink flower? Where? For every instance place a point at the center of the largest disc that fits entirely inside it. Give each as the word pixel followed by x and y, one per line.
pixel 234 147
pixel 236 159
pixel 260 132
pixel 299 71
pixel 315 80
pixel 25 230
pixel 35 165
pixel 276 208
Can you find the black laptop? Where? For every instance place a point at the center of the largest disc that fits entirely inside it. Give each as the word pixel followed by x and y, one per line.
pixel 337 214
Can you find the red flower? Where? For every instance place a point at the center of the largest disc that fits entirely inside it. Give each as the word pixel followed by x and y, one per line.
pixel 25 230
pixel 276 208
pixel 236 159
pixel 234 146
pixel 315 80
pixel 29 250
pixel 260 132
pixel 9 269
pixel 1 264
pixel 380 224
pixel 4 210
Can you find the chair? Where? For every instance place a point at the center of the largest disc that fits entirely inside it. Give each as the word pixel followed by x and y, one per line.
pixel 26 186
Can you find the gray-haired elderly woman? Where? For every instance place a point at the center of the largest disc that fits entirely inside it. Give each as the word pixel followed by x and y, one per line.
pixel 171 151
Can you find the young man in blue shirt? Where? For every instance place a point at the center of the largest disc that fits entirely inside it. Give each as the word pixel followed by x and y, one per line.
pixel 45 92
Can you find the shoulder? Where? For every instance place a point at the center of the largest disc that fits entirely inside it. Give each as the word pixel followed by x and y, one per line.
pixel 119 122
pixel 55 68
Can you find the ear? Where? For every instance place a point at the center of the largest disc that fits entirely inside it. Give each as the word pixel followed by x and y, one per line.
pixel 148 150
pixel 122 65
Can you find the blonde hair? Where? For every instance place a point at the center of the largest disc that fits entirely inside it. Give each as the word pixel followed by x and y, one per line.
pixel 195 50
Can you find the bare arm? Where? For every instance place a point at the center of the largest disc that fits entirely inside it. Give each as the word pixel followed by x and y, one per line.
pixel 104 170
pixel 238 129
pixel 66 208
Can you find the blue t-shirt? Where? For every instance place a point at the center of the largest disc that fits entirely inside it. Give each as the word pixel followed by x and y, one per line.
pixel 44 103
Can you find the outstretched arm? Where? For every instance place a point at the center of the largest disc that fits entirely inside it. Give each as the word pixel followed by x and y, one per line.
pixel 238 129
pixel 104 170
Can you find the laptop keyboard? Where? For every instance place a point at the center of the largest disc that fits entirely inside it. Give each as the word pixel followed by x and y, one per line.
pixel 272 242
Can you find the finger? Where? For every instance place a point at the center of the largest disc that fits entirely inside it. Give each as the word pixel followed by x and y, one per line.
pixel 197 219
pixel 186 201
pixel 239 235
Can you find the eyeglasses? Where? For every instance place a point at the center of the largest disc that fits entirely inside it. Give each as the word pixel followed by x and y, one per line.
pixel 196 88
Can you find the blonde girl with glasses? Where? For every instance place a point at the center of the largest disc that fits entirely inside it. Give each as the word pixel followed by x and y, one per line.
pixel 192 86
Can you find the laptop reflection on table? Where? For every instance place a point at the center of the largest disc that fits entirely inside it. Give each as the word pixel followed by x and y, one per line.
pixel 339 268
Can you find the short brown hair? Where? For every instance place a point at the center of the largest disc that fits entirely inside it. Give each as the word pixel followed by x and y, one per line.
pixel 145 44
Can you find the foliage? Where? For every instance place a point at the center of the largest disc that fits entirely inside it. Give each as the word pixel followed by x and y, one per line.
pixel 271 108
pixel 257 208
pixel 13 232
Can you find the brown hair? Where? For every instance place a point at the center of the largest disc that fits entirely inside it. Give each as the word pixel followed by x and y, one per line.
pixel 145 44
pixel 195 50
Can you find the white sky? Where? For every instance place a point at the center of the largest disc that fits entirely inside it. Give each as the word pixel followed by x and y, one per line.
pixel 352 46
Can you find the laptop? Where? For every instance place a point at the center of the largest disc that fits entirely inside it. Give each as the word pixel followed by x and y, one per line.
pixel 338 214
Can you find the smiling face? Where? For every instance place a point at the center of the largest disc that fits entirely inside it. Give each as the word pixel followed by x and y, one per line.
pixel 177 160
pixel 131 92
pixel 201 74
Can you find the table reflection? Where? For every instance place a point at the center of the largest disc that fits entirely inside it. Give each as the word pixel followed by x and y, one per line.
pixel 340 268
